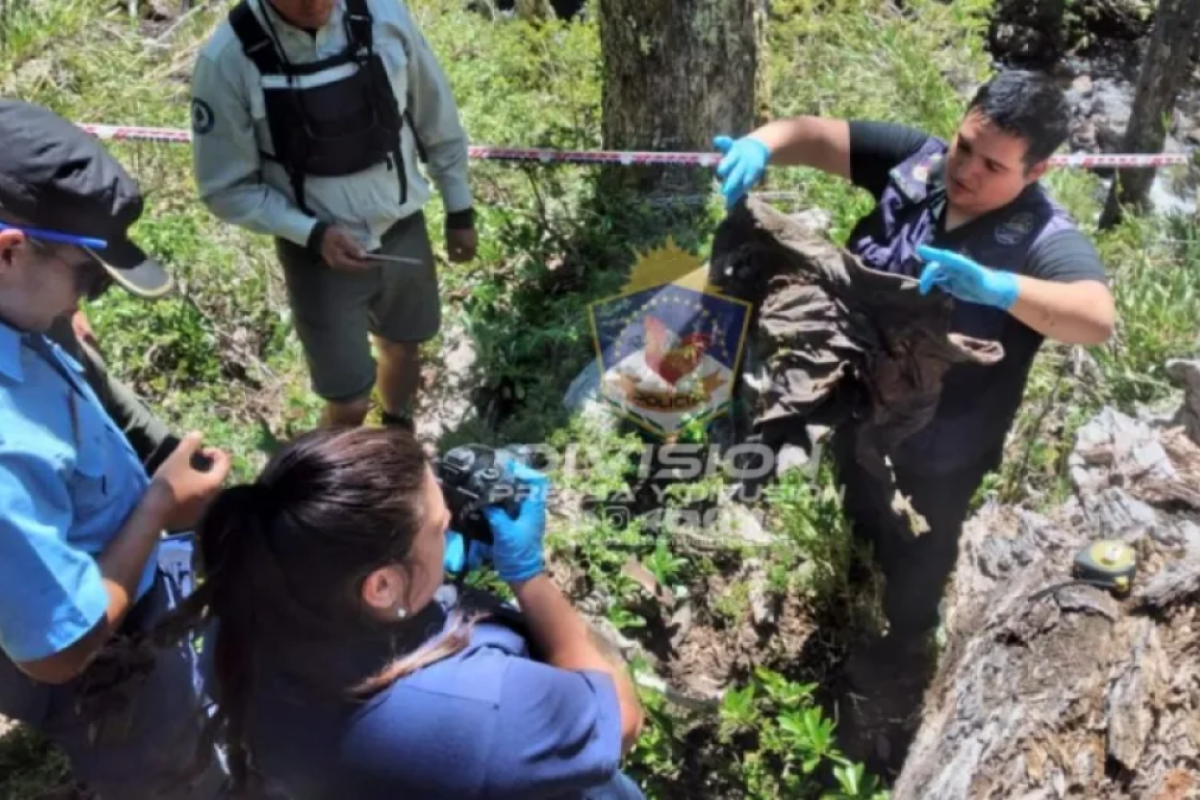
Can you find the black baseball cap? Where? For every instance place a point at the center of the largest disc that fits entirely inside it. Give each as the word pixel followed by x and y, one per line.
pixel 57 177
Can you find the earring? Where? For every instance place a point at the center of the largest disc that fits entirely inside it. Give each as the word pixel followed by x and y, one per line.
pixel 401 612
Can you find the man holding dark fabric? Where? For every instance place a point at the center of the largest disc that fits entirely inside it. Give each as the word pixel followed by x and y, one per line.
pixel 968 217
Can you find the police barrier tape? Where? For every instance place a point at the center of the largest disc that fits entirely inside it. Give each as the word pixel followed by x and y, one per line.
pixel 133 133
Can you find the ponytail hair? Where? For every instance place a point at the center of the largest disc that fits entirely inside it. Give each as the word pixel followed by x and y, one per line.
pixel 231 560
pixel 282 560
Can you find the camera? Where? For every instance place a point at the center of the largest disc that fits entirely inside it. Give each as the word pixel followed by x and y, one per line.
pixel 473 476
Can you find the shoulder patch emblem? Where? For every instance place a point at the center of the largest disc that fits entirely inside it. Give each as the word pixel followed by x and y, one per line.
pixel 202 117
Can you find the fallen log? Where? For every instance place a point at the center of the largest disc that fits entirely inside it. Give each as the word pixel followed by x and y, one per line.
pixel 1078 692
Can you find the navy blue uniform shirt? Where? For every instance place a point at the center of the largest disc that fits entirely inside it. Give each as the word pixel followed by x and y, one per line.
pixel 486 722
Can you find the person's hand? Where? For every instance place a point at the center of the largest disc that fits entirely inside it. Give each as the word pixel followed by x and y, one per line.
pixel 189 489
pixel 517 551
pixel 464 555
pixel 967 280
pixel 341 252
pixel 82 329
pixel 461 243
pixel 743 166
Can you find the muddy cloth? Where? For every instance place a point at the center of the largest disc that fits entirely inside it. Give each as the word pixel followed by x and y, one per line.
pixel 842 344
pixel 1033 236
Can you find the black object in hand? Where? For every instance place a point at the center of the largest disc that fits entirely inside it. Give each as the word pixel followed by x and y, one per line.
pixel 199 461
pixel 472 476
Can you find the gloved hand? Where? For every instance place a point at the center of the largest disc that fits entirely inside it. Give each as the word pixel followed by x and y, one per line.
pixel 517 551
pixel 743 165
pixel 462 556
pixel 967 280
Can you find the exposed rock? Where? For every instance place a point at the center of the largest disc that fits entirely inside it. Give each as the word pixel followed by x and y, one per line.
pixel 728 525
pixel 1075 691
pixel 1040 32
pixel 637 572
pixel 680 624
pixel 446 403
pixel 698 692
pixel 1097 49
pixel 1024 43
pixel 1176 581
pixel 1111 106
pixel 609 633
pixel 1186 374
pixel 761 610
pixel 702 694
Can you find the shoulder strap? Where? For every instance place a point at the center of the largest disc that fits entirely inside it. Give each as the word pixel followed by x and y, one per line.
pixel 358 23
pixel 255 42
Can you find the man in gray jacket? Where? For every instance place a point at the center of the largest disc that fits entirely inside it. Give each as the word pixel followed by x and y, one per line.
pixel 309 117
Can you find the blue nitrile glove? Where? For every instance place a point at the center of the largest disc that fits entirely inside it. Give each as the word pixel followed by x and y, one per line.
pixel 967 280
pixel 743 166
pixel 461 557
pixel 517 551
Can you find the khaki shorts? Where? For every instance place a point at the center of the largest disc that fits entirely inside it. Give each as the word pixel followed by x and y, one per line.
pixel 334 311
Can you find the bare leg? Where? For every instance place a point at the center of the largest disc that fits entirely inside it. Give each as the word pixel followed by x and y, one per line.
pixel 350 413
pixel 399 376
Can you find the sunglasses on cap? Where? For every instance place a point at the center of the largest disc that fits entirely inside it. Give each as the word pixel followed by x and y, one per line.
pixel 92 276
pixel 57 236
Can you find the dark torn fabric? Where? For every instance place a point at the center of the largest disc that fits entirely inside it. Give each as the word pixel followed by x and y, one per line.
pixel 841 343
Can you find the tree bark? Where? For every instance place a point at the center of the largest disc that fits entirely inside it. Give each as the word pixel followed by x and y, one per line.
pixel 676 74
pixel 1077 693
pixel 1164 72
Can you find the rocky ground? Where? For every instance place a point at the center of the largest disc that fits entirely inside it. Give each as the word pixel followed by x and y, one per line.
pixel 1096 49
pixel 696 647
pixel 1054 689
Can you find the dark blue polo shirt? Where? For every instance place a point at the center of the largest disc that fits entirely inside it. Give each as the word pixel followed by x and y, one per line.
pixel 903 169
pixel 486 722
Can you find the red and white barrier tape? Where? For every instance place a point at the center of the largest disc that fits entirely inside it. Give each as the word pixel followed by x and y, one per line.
pixel 132 133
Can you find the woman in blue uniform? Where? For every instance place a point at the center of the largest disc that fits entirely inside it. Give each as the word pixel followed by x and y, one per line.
pixel 344 667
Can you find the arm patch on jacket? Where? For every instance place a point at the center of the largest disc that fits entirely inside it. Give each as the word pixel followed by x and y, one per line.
pixel 203 119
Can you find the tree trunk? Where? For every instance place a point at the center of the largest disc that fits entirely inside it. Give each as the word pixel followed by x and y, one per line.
pixel 676 74
pixel 1164 72
pixel 1078 693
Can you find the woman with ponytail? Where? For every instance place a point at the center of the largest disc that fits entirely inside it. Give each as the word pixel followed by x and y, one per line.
pixel 344 667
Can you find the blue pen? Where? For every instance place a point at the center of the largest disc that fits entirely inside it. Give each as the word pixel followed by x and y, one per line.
pixel 55 236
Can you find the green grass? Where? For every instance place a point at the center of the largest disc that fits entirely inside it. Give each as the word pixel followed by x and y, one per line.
pixel 28 766
pixel 221 356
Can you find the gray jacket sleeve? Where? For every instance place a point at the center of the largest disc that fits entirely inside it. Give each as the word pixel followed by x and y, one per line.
pixel 226 156
pixel 436 119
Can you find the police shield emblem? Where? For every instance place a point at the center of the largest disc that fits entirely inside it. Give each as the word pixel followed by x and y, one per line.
pixel 1015 229
pixel 669 347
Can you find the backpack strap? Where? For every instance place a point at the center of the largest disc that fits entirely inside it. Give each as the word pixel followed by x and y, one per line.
pixel 259 48
pixel 408 117
pixel 255 43
pixel 358 23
